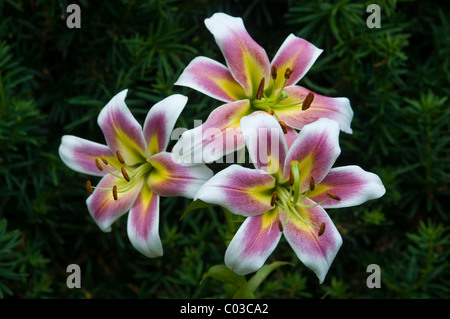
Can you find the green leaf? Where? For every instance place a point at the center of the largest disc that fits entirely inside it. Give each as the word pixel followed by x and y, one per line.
pixel 195 205
pixel 247 290
pixel 224 274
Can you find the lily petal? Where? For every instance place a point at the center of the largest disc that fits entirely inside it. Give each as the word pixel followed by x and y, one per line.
pixel 143 223
pixel 316 149
pixel 246 60
pixel 171 179
pixel 334 108
pixel 161 120
pixel 315 252
pixel 102 206
pixel 219 135
pixel 122 132
pixel 291 136
pixel 352 184
pixel 298 55
pixel 265 141
pixel 253 243
pixel 211 78
pixel 80 154
pixel 243 191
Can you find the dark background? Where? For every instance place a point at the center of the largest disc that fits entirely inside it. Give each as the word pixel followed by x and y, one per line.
pixel 55 80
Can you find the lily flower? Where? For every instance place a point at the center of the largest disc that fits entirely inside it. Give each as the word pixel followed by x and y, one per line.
pixel 135 169
pixel 289 197
pixel 250 82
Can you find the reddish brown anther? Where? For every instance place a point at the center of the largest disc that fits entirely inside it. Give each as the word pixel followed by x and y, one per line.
pixel 103 158
pixel 283 127
pixel 322 229
pixel 333 196
pixel 287 73
pixel 125 174
pixel 89 187
pixel 260 92
pixel 99 166
pixel 273 199
pixel 114 191
pixel 280 226
pixel 312 184
pixel 273 72
pixel 120 158
pixel 308 101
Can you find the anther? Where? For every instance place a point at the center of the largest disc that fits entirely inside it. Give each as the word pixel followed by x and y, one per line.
pixel 273 199
pixel 322 229
pixel 283 127
pixel 103 158
pixel 114 191
pixel 312 184
pixel 333 196
pixel 271 112
pixel 125 174
pixel 287 73
pixel 291 178
pixel 120 158
pixel 89 187
pixel 308 101
pixel 260 92
pixel 273 72
pixel 99 166
pixel 280 226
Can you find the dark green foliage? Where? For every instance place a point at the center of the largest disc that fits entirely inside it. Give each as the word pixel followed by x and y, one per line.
pixel 54 80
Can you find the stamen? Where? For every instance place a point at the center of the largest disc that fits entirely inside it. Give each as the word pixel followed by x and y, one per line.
pixel 125 174
pixel 114 191
pixel 333 196
pixel 283 127
pixel 287 73
pixel 307 102
pixel 322 229
pixel 103 158
pixel 97 163
pixel 120 158
pixel 312 184
pixel 89 187
pixel 273 199
pixel 271 112
pixel 291 178
pixel 273 72
pixel 280 226
pixel 260 92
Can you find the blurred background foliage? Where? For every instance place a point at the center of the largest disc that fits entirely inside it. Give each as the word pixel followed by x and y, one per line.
pixel 54 81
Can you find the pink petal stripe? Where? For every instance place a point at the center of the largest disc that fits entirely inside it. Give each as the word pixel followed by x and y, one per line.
pixel 247 61
pixel 265 142
pixel 315 252
pixel 211 78
pixel 316 149
pixel 219 135
pixel 102 206
pixel 253 243
pixel 160 122
pixel 297 54
pixel 171 179
pixel 122 132
pixel 243 191
pixel 80 154
pixel 337 108
pixel 352 184
pixel 143 223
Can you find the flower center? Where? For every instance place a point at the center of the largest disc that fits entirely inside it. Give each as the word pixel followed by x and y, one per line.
pixel 124 173
pixel 270 98
pixel 289 197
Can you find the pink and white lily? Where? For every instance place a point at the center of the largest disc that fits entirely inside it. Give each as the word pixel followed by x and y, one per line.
pixel 250 82
pixel 135 169
pixel 287 193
